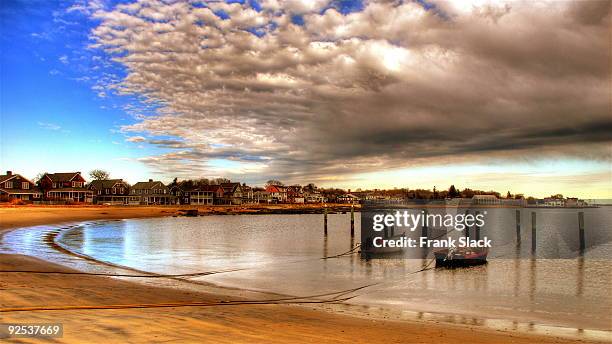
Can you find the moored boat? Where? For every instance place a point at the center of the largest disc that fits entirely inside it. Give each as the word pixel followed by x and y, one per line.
pixel 461 256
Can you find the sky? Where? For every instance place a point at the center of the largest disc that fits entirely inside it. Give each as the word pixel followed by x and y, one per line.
pixel 491 95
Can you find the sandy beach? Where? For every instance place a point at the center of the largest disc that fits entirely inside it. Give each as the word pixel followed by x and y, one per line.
pixel 239 323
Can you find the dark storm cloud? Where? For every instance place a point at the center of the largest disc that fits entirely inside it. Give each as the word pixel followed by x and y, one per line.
pixel 388 86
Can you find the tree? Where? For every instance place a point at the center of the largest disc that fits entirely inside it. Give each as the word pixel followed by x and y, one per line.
pixel 452 191
pixel 38 177
pixel 221 180
pixel 508 195
pixel 274 182
pixel 99 174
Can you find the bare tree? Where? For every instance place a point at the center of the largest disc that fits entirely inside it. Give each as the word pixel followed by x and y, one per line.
pixel 99 174
pixel 274 182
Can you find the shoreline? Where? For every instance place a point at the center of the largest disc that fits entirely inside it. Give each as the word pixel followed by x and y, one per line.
pixel 239 323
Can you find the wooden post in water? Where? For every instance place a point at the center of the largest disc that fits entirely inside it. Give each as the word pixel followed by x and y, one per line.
pixel 581 232
pixel 518 228
pixel 325 220
pixel 424 227
pixel 467 228
pixel 533 231
pixel 352 221
pixel 477 228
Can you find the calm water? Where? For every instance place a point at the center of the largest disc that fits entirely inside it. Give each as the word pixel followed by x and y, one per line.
pixel 282 254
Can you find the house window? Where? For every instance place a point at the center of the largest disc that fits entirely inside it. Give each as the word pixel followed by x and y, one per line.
pixel 8 185
pixel 54 185
pixel 25 185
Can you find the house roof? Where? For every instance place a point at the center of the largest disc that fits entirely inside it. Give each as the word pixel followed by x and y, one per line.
pixel 213 187
pixel 104 184
pixel 229 187
pixel 7 177
pixel 147 185
pixel 62 176
pixel 276 188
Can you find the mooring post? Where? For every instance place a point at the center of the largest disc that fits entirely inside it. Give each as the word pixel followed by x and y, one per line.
pixel 581 232
pixel 325 220
pixel 467 228
pixel 477 228
pixel 533 231
pixel 424 227
pixel 352 221
pixel 518 227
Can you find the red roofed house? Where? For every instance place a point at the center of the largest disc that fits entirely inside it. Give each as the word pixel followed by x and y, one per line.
pixel 65 186
pixel 278 193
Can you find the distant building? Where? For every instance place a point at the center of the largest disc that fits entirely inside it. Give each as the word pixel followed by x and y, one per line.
pixel 247 194
pixel 179 193
pixel 554 202
pixel 278 193
pixel 295 194
pixel 149 193
pixel 347 198
pixel 314 197
pixel 232 193
pixel 485 200
pixel 262 196
pixel 14 186
pixel 65 186
pixel 112 191
pixel 203 195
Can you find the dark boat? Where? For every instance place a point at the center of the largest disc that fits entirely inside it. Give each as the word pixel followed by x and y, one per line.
pixel 461 256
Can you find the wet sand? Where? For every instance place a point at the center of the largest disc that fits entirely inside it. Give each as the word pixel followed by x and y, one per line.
pixel 240 323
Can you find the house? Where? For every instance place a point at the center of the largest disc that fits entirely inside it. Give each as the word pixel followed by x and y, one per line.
pixel 14 186
pixel 178 191
pixel 247 194
pixel 65 186
pixel 485 200
pixel 347 198
pixel 278 193
pixel 232 193
pixel 151 192
pixel 204 195
pixel 112 191
pixel 554 202
pixel 295 194
pixel 314 197
pixel 218 193
pixel 262 196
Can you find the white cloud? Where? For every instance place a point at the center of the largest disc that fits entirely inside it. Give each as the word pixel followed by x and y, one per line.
pixel 49 126
pixel 135 139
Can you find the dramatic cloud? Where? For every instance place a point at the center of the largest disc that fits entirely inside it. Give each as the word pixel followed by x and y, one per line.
pixel 304 90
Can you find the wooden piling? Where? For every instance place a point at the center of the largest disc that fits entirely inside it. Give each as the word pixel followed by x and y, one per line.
pixel 352 221
pixel 424 227
pixel 476 227
pixel 325 221
pixel 581 232
pixel 533 231
pixel 518 227
pixel 467 228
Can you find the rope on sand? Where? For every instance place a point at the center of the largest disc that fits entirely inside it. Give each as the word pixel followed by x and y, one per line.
pixel 336 298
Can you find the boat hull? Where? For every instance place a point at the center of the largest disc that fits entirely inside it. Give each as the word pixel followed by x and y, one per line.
pixel 461 257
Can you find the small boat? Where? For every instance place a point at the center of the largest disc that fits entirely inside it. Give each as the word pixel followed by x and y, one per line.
pixel 461 256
